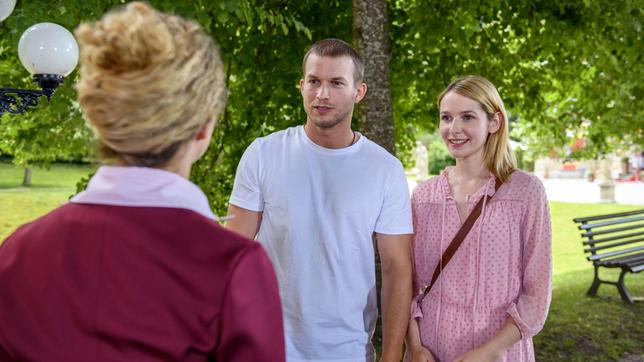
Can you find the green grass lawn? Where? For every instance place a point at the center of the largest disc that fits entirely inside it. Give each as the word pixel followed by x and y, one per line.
pixel 578 328
pixel 50 188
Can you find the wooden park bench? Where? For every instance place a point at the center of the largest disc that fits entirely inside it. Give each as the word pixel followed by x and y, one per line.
pixel 614 241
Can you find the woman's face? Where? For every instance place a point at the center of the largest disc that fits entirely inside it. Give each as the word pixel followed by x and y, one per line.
pixel 464 126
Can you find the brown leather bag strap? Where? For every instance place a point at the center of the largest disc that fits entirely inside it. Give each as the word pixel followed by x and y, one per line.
pixel 458 240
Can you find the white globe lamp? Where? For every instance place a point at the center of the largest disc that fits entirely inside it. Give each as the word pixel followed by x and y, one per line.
pixel 48 48
pixel 6 8
pixel 49 52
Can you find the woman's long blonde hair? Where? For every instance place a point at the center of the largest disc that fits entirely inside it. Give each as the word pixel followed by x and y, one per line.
pixel 148 82
pixel 497 154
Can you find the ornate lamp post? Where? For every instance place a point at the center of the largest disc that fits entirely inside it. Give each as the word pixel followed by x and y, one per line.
pixel 49 52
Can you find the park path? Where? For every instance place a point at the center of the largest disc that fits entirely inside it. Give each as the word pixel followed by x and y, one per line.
pixel 582 191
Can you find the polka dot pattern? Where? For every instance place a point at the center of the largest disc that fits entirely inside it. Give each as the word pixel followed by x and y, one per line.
pixel 503 268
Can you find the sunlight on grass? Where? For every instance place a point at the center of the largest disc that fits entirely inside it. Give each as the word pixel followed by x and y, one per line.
pixel 567 249
pixel 50 188
pixel 580 328
pixel 62 176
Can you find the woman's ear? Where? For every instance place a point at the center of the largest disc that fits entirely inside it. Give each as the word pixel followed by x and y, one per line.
pixel 495 122
pixel 200 143
pixel 205 131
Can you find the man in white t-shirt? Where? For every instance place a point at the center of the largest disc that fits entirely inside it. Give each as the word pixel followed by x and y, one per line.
pixel 318 197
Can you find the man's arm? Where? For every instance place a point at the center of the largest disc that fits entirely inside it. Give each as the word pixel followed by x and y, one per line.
pixel 243 221
pixel 396 269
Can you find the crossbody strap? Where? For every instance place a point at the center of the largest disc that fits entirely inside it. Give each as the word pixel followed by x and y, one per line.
pixel 457 241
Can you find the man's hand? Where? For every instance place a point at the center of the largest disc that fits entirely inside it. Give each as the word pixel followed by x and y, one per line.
pixel 421 354
pixel 415 348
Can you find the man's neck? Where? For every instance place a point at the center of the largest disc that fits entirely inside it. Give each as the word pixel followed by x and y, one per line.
pixel 339 136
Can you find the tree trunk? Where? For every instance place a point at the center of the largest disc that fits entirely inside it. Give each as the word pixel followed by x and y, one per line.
pixel 26 179
pixel 370 37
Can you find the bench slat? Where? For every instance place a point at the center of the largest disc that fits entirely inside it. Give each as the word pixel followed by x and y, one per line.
pixel 634 263
pixel 592 242
pixel 612 245
pixel 637 269
pixel 613 253
pixel 607 216
pixel 607 223
pixel 621 246
pixel 614 230
pixel 633 259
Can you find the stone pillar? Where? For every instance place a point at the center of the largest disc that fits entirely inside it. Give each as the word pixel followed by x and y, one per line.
pixel 421 168
pixel 606 186
pixel 592 170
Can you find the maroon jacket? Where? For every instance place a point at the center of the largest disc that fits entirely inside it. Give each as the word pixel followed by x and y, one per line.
pixel 114 283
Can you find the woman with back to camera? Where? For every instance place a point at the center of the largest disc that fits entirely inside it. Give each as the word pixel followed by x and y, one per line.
pixel 135 268
pixel 482 242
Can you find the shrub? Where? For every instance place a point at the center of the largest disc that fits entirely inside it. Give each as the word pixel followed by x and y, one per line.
pixel 437 155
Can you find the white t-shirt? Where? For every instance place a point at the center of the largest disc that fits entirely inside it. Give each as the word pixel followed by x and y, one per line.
pixel 320 209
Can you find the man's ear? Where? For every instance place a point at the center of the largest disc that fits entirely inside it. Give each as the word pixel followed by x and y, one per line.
pixel 495 122
pixel 361 90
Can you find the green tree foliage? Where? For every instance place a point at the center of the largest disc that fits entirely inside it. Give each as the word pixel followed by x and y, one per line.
pixel 54 130
pixel 568 68
pixel 437 155
pixel 262 45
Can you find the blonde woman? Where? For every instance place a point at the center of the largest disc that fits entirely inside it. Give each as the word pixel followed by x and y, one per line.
pixel 136 268
pixel 483 284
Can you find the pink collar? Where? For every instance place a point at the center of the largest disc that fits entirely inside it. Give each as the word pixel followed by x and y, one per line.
pixel 488 189
pixel 143 187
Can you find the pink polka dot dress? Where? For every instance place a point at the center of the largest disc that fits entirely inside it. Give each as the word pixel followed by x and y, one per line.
pixel 503 268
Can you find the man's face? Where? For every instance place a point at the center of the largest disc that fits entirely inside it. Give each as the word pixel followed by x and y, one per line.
pixel 329 91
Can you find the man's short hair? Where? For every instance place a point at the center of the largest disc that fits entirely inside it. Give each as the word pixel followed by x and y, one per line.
pixel 336 48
